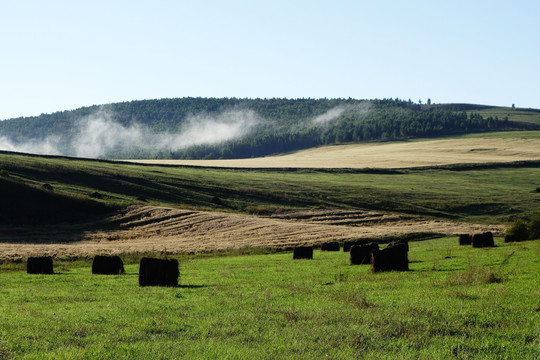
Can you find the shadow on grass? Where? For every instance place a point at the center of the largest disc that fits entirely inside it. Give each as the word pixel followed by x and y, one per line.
pixel 435 270
pixel 192 286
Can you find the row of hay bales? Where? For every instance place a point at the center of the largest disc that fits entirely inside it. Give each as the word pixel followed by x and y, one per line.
pixel 152 272
pixel 486 239
pixel 477 240
pixel 393 258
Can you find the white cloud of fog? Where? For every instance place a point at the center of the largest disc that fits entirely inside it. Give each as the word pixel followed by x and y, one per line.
pixel 335 113
pixel 329 116
pixel 99 135
pixel 48 146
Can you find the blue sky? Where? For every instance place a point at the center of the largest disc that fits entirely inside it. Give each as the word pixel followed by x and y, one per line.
pixel 62 55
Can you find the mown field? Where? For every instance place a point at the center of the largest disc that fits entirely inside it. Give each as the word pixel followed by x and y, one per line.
pixel 492 147
pixel 455 302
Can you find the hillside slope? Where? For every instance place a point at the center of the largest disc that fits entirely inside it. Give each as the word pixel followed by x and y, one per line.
pixel 508 147
pixel 490 193
pixel 143 229
pixel 201 128
pixel 94 206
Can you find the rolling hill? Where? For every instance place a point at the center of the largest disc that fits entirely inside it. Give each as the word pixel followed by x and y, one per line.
pixel 342 177
pixel 493 147
pixel 208 128
pixel 92 206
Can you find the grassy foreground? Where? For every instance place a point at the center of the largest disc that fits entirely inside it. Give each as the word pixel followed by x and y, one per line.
pixel 456 302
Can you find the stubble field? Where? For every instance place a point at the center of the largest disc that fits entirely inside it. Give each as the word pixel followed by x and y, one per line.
pixel 144 229
pixel 479 148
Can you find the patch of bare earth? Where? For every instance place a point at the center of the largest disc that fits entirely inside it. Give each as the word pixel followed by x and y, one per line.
pixel 147 228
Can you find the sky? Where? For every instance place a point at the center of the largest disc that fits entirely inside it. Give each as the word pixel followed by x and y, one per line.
pixel 62 55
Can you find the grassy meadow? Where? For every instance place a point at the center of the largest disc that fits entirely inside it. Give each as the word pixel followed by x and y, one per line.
pixel 472 193
pixel 455 302
pixel 520 115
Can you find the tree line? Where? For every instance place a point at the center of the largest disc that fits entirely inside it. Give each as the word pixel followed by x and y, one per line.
pixel 287 124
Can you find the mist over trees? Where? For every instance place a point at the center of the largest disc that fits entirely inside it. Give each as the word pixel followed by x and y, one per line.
pixel 204 128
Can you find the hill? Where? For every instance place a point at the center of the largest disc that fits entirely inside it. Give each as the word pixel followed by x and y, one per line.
pixel 491 193
pixel 209 128
pixel 493 147
pixel 77 207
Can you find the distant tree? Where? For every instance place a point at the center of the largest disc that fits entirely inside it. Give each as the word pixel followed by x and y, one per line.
pixel 513 106
pixel 429 101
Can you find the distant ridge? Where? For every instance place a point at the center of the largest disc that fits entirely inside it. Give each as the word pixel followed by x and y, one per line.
pixel 224 128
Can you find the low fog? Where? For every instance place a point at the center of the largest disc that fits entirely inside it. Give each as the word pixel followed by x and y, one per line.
pixel 99 135
pixel 335 113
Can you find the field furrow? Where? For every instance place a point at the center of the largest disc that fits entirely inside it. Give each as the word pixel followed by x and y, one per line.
pixel 161 229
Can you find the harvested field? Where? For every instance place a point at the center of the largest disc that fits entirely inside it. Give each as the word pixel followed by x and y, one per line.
pixel 389 155
pixel 141 228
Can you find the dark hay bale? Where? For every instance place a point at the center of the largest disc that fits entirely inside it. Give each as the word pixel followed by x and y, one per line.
pixel 47 187
pixel 141 198
pixel 330 246
pixel 361 254
pixel 216 200
pixel 392 258
pixel 40 265
pixel 488 239
pixel 397 242
pixel 107 265
pixel 483 240
pixel 158 272
pixel 511 238
pixel 96 195
pixel 478 240
pixel 347 245
pixel 303 252
pixel 465 239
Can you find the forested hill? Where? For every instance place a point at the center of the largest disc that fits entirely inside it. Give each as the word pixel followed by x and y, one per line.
pixel 235 128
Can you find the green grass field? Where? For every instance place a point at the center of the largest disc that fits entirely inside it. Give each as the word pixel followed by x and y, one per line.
pixel 489 194
pixel 506 134
pixel 456 302
pixel 517 115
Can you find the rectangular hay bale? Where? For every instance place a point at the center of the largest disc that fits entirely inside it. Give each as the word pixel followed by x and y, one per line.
pixel 392 258
pixel 40 265
pixel 483 240
pixel 465 239
pixel 361 254
pixel 158 272
pixel 303 252
pixel 107 265
pixel 330 246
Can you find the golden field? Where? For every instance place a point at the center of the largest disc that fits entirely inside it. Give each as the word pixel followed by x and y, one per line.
pixel 404 154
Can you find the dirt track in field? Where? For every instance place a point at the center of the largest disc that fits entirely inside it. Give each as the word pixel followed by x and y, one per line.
pixel 388 155
pixel 160 229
